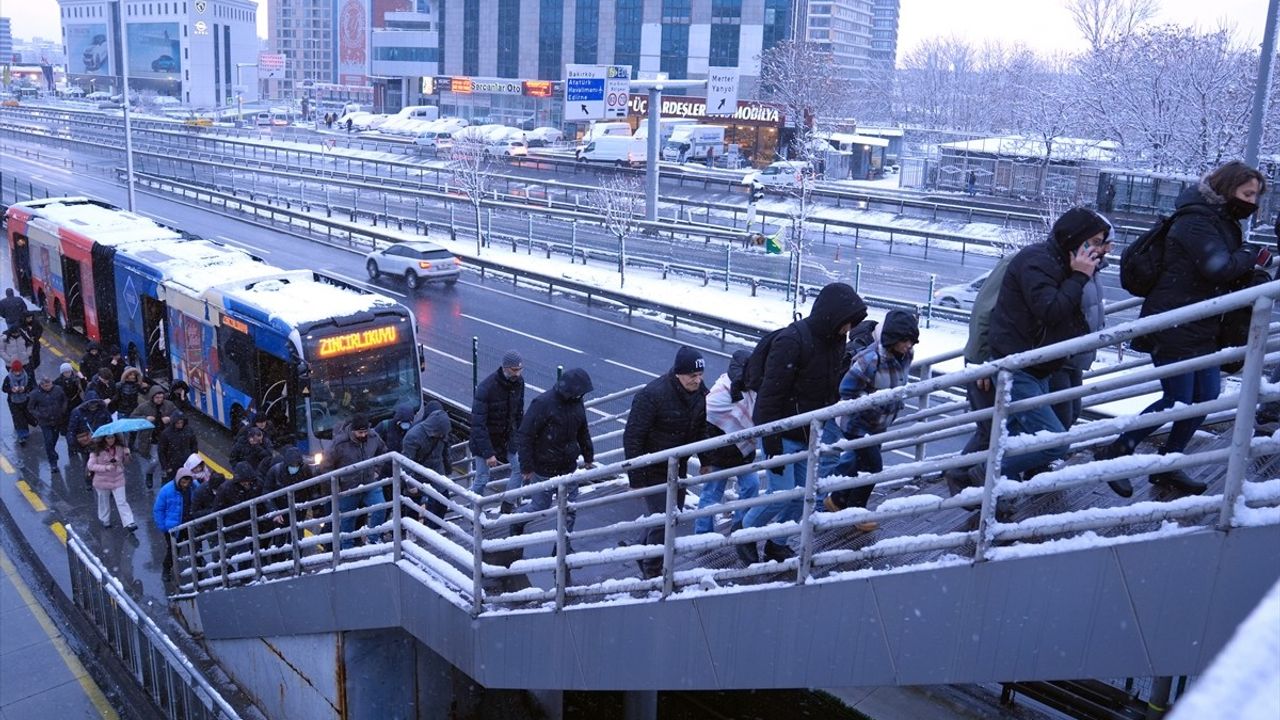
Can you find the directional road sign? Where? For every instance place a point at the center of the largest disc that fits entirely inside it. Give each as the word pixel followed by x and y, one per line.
pixel 722 91
pixel 584 92
pixel 617 89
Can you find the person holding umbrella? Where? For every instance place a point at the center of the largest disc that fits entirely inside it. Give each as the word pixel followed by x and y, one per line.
pixel 106 467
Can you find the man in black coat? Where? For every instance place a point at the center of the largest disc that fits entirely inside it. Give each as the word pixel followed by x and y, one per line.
pixel 496 414
pixel 668 412
pixel 1040 303
pixel 801 373
pixel 13 309
pixel 554 433
pixel 176 443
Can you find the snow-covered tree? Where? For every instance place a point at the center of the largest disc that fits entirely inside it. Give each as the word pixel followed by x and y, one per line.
pixel 470 166
pixel 1106 22
pixel 620 201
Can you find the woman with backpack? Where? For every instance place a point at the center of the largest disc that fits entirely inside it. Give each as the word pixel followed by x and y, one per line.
pixel 1204 257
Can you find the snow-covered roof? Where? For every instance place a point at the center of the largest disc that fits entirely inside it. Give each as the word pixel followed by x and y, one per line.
pixel 1064 148
pixel 300 298
pixel 879 131
pixel 852 139
pixel 103 224
pixel 200 264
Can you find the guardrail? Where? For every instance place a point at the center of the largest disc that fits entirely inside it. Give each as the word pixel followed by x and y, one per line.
pixel 451 539
pixel 160 668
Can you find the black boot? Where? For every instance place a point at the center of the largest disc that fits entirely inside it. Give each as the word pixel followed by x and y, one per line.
pixel 748 553
pixel 1118 448
pixel 777 551
pixel 1179 481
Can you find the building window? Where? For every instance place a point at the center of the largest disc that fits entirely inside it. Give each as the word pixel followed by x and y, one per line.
pixel 470 37
pixel 777 22
pixel 509 38
pixel 407 54
pixel 550 38
pixel 586 36
pixel 626 45
pixel 674 60
pixel 724 46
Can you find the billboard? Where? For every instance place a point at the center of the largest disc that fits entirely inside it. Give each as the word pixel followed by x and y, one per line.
pixel 155 50
pixel 353 42
pixel 88 49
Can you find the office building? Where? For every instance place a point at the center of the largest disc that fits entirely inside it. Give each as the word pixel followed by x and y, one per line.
pixel 303 32
pixel 6 42
pixel 884 34
pixel 843 29
pixel 201 52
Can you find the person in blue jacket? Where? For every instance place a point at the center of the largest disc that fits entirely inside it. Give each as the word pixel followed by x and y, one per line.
pixel 172 508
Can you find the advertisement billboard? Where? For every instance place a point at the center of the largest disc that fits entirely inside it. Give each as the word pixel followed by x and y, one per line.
pixel 353 42
pixel 88 50
pixel 155 50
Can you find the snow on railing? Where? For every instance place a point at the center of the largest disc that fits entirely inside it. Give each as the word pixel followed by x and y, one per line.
pixel 485 561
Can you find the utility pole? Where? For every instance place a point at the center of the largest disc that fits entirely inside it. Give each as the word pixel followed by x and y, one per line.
pixel 124 82
pixel 1263 86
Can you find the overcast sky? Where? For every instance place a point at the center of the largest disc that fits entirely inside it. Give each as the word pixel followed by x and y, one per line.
pixel 1041 24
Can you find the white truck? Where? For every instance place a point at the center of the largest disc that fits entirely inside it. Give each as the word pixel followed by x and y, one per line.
pixel 693 142
pixel 666 126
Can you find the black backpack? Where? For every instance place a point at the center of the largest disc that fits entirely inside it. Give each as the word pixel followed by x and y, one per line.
pixel 753 373
pixel 1142 262
pixel 862 335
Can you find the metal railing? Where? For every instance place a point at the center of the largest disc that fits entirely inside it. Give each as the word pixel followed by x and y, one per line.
pixel 483 561
pixel 161 669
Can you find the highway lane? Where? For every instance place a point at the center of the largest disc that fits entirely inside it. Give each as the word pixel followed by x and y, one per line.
pixel 617 351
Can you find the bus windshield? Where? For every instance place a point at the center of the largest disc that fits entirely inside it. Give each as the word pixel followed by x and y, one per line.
pixel 368 369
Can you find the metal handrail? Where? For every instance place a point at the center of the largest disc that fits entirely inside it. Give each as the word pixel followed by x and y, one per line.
pixel 459 553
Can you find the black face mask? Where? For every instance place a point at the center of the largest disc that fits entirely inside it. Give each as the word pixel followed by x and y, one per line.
pixel 1240 209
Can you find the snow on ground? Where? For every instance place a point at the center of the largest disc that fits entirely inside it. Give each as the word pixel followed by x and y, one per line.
pixel 1243 682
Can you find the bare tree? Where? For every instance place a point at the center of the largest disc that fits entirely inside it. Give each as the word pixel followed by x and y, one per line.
pixel 1045 105
pixel 620 202
pixel 1105 22
pixel 470 166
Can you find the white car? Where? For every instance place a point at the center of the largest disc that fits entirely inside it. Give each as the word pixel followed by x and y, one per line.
pixel 781 174
pixel 960 296
pixel 510 147
pixel 416 261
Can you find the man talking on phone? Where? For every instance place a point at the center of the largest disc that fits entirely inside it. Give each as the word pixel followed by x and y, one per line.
pixel 1040 304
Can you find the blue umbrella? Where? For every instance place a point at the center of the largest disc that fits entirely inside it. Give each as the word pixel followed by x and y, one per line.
pixel 123 425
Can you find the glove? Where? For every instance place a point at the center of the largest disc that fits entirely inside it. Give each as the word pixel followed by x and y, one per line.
pixel 772 445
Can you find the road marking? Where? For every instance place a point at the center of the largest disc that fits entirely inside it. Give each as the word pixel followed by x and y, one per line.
pixel 5 464
pixel 55 351
pixel 31 496
pixel 60 531
pixel 214 466
pixel 81 675
pixel 552 343
pixel 629 367
pixel 447 355
pixel 365 284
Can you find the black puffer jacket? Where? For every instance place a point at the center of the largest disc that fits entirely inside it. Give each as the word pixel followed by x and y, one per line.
pixel 177 442
pixel 347 451
pixel 1204 257
pixel 663 415
pixel 554 432
pixel 798 381
pixel 1039 304
pixel 496 414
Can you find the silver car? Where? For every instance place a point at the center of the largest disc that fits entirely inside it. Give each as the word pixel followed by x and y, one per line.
pixel 960 296
pixel 417 262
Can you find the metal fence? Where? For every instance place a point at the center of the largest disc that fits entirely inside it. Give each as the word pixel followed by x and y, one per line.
pixel 162 670
pixel 485 561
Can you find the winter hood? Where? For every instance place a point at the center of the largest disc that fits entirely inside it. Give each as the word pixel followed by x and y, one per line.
pixel 573 384
pixel 836 305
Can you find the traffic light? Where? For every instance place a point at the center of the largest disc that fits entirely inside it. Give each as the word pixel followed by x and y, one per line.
pixel 757 192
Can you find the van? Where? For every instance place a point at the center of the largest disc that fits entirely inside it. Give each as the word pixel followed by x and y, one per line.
pixel 693 142
pixel 601 129
pixel 395 123
pixel 666 126
pixel 615 149
pixel 439 133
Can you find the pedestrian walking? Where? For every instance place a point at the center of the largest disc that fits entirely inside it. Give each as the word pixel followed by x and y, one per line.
pixel 176 442
pixel 174 506
pixel 92 360
pixel 103 386
pixel 497 409
pixel 1204 257
pixel 159 411
pixel 83 420
pixel 31 331
pixel 17 388
pixel 668 412
pixel 879 366
pixel 48 408
pixel 357 443
pixel 971 184
pixel 1071 374
pixel 729 407
pixel 13 309
pixel 796 370
pixel 552 436
pixel 427 443
pixel 129 388
pixel 237 524
pixel 72 384
pixel 106 468
pixel 253 447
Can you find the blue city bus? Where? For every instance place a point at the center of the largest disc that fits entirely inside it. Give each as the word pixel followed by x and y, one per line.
pixel 305 350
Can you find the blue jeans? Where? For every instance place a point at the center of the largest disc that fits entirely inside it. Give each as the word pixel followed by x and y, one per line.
pixel 713 492
pixel 483 474
pixel 541 500
pixel 1035 420
pixel 852 462
pixel 1191 387
pixel 780 479
pixel 365 497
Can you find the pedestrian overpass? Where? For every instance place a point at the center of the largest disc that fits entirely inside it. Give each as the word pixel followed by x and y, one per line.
pixel 1052 578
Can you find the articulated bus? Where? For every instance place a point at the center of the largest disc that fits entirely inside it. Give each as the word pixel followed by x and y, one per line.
pixel 307 350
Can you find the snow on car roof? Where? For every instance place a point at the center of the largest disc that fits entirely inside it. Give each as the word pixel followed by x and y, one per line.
pixel 103 223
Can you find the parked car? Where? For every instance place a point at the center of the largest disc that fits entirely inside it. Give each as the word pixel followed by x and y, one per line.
pixel 781 174
pixel 960 296
pixel 510 147
pixel 417 262
pixel 543 136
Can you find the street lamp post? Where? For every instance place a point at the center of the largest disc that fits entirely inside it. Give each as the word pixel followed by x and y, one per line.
pixel 240 91
pixel 124 82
